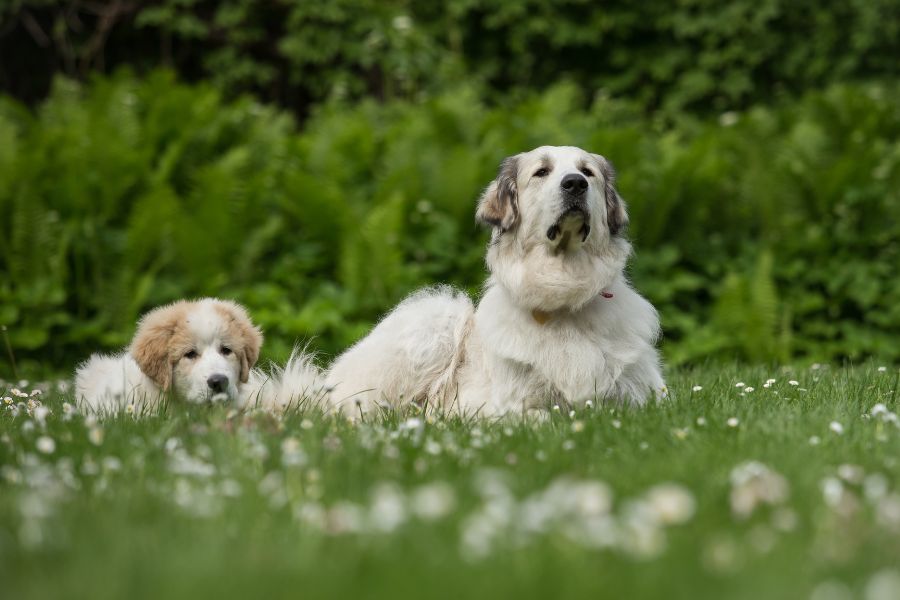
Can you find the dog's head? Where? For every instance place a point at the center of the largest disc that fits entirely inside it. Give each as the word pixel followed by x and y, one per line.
pixel 563 193
pixel 558 227
pixel 202 349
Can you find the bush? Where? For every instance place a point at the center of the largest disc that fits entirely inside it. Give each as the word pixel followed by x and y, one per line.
pixel 702 55
pixel 771 234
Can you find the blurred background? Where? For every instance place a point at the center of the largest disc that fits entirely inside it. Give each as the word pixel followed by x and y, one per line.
pixel 319 160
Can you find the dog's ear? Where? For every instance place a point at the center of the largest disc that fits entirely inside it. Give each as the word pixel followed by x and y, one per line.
pixel 242 329
pixel 499 204
pixel 151 345
pixel 616 213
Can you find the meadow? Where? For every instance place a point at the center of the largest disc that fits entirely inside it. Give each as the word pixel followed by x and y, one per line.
pixel 750 483
pixel 318 162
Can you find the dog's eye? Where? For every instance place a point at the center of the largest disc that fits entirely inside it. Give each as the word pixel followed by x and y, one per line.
pixel 542 172
pixel 191 354
pixel 225 350
pixel 587 172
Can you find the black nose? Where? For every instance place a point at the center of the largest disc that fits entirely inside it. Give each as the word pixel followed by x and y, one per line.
pixel 217 382
pixel 574 184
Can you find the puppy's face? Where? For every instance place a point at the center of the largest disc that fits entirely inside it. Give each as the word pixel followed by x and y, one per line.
pixel 558 196
pixel 203 349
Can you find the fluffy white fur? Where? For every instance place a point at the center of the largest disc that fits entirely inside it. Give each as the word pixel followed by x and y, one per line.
pixel 558 322
pixel 299 383
pixel 202 350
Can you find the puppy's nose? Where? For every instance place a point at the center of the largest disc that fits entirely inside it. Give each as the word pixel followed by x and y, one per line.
pixel 574 184
pixel 217 382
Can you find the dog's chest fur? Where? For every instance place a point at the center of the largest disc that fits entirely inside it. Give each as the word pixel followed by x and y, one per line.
pixel 578 355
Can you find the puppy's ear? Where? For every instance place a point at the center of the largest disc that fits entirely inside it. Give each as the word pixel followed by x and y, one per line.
pixel 151 345
pixel 499 204
pixel 616 214
pixel 243 329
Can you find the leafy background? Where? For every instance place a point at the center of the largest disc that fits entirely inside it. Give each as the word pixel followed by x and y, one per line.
pixel 320 161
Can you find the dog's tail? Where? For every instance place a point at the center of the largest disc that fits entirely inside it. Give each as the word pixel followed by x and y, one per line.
pixel 299 383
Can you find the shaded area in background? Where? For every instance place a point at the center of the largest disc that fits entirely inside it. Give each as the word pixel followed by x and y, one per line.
pixel 698 56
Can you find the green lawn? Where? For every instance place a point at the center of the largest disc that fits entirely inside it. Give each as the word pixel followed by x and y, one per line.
pixel 791 490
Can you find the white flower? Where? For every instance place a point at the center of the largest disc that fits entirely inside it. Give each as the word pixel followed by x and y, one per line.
pixel 875 487
pixel 883 585
pixel 882 369
pixel 45 444
pixel 433 501
pixel 672 503
pixel 814 440
pixel 701 421
pixel 753 484
pixel 793 382
pixel 696 388
pixel 292 455
pixel 95 435
pixel 388 510
pixel 851 473
pixel 878 409
pixel 589 404
pixel 832 490
pixel 733 422
pixel 740 384
pixel 616 423
pixel 771 381
pixel 836 427
pixel 411 423
pixel 749 389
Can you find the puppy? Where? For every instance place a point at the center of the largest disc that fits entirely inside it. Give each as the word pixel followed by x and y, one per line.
pixel 202 350
pixel 558 322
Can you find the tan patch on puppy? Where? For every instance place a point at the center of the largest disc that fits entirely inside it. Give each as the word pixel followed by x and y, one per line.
pixel 158 342
pixel 245 338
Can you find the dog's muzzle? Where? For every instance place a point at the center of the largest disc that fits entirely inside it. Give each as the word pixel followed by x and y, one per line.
pixel 575 216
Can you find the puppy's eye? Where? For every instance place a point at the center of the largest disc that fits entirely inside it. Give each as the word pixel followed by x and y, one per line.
pixel 587 172
pixel 225 350
pixel 542 172
pixel 191 354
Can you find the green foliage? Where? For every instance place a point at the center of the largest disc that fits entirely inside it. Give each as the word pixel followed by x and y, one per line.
pixel 701 55
pixel 771 234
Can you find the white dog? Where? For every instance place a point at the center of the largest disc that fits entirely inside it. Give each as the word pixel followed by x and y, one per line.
pixel 203 350
pixel 558 322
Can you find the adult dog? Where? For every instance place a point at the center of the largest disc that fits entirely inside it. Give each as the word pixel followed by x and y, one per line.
pixel 557 324
pixel 203 350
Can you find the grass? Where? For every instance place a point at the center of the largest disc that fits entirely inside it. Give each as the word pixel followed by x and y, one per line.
pixel 208 502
